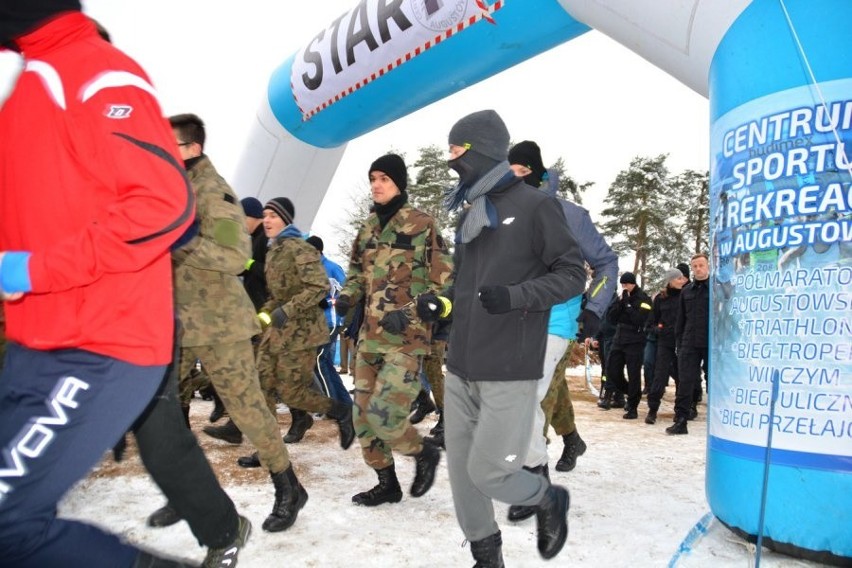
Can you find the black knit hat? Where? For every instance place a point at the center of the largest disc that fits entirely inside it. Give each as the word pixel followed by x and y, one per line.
pixel 316 242
pixel 252 207
pixel 684 268
pixel 483 132
pixel 282 207
pixel 18 17
pixel 392 166
pixel 528 154
pixel 627 278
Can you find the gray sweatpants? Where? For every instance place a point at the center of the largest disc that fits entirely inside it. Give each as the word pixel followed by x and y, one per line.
pixel 488 429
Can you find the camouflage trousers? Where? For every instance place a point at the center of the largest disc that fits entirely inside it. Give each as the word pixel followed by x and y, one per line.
pixel 288 374
pixel 433 367
pixel 556 404
pixel 232 371
pixel 385 386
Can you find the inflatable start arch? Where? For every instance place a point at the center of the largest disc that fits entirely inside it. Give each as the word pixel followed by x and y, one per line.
pixel 778 74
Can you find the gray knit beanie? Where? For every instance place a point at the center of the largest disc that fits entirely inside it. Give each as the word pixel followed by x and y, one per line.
pixel 484 132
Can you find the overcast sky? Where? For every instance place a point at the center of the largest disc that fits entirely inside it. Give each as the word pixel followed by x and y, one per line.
pixel 590 100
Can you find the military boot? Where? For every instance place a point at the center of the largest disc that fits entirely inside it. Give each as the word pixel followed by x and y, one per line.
pixel 426 462
pixel 342 413
pixel 605 403
pixel 618 400
pixel 301 423
pixel 631 414
pixel 437 432
pixel 552 521
pixel 573 447
pixel 228 433
pixel 651 418
pixel 423 406
pixel 290 496
pixel 523 512
pixel 488 552
pixel 387 491
pixel 218 407
pixel 693 411
pixel 679 427
pixel 226 557
pixel 249 461
pixel 165 516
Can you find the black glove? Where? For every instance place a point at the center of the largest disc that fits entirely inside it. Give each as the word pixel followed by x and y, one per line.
pixel 495 299
pixel 395 322
pixel 279 318
pixel 342 305
pixel 431 307
pixel 323 303
pixel 589 326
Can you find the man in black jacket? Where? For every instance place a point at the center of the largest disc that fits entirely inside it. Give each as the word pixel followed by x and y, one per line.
pixel 515 258
pixel 692 336
pixel 629 315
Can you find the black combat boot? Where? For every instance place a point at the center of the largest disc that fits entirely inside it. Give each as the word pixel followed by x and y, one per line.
pixel 631 414
pixel 618 400
pixel 226 557
pixel 693 411
pixel 488 552
pixel 165 516
pixel 651 418
pixel 387 491
pixel 423 406
pixel 574 447
pixel 523 512
pixel 426 462
pixel 249 461
pixel 290 496
pixel 679 427
pixel 218 407
pixel 437 432
pixel 605 403
pixel 229 432
pixel 301 423
pixel 342 413
pixel 552 521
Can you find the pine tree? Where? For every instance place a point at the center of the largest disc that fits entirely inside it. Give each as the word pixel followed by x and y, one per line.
pixel 568 188
pixel 431 182
pixel 360 200
pixel 694 188
pixel 637 216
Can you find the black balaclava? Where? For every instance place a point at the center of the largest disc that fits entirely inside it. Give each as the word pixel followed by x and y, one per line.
pixel 486 138
pixel 19 17
pixel 528 154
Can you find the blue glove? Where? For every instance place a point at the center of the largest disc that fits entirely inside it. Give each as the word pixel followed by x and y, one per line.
pixel 495 299
pixel 589 326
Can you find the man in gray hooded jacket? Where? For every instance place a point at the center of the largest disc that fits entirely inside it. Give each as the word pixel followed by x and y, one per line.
pixel 515 258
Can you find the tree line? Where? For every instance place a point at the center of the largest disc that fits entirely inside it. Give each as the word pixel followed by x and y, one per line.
pixel 657 218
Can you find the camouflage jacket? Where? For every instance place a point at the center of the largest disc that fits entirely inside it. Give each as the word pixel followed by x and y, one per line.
pixel 297 283
pixel 389 268
pixel 211 302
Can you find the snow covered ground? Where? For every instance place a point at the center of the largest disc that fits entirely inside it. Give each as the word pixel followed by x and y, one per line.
pixel 635 496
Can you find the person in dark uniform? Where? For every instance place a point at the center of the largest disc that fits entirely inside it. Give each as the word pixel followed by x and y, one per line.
pixel 629 314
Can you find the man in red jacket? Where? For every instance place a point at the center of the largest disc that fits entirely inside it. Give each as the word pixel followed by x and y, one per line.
pixel 92 195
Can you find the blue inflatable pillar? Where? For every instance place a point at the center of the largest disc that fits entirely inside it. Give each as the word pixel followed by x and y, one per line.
pixel 781 145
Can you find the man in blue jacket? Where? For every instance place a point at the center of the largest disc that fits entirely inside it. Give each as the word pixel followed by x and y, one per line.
pixel 568 321
pixel 515 258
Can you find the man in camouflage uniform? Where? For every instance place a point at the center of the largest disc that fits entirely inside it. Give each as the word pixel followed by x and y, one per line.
pixel 219 319
pixel 399 263
pixel 297 283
